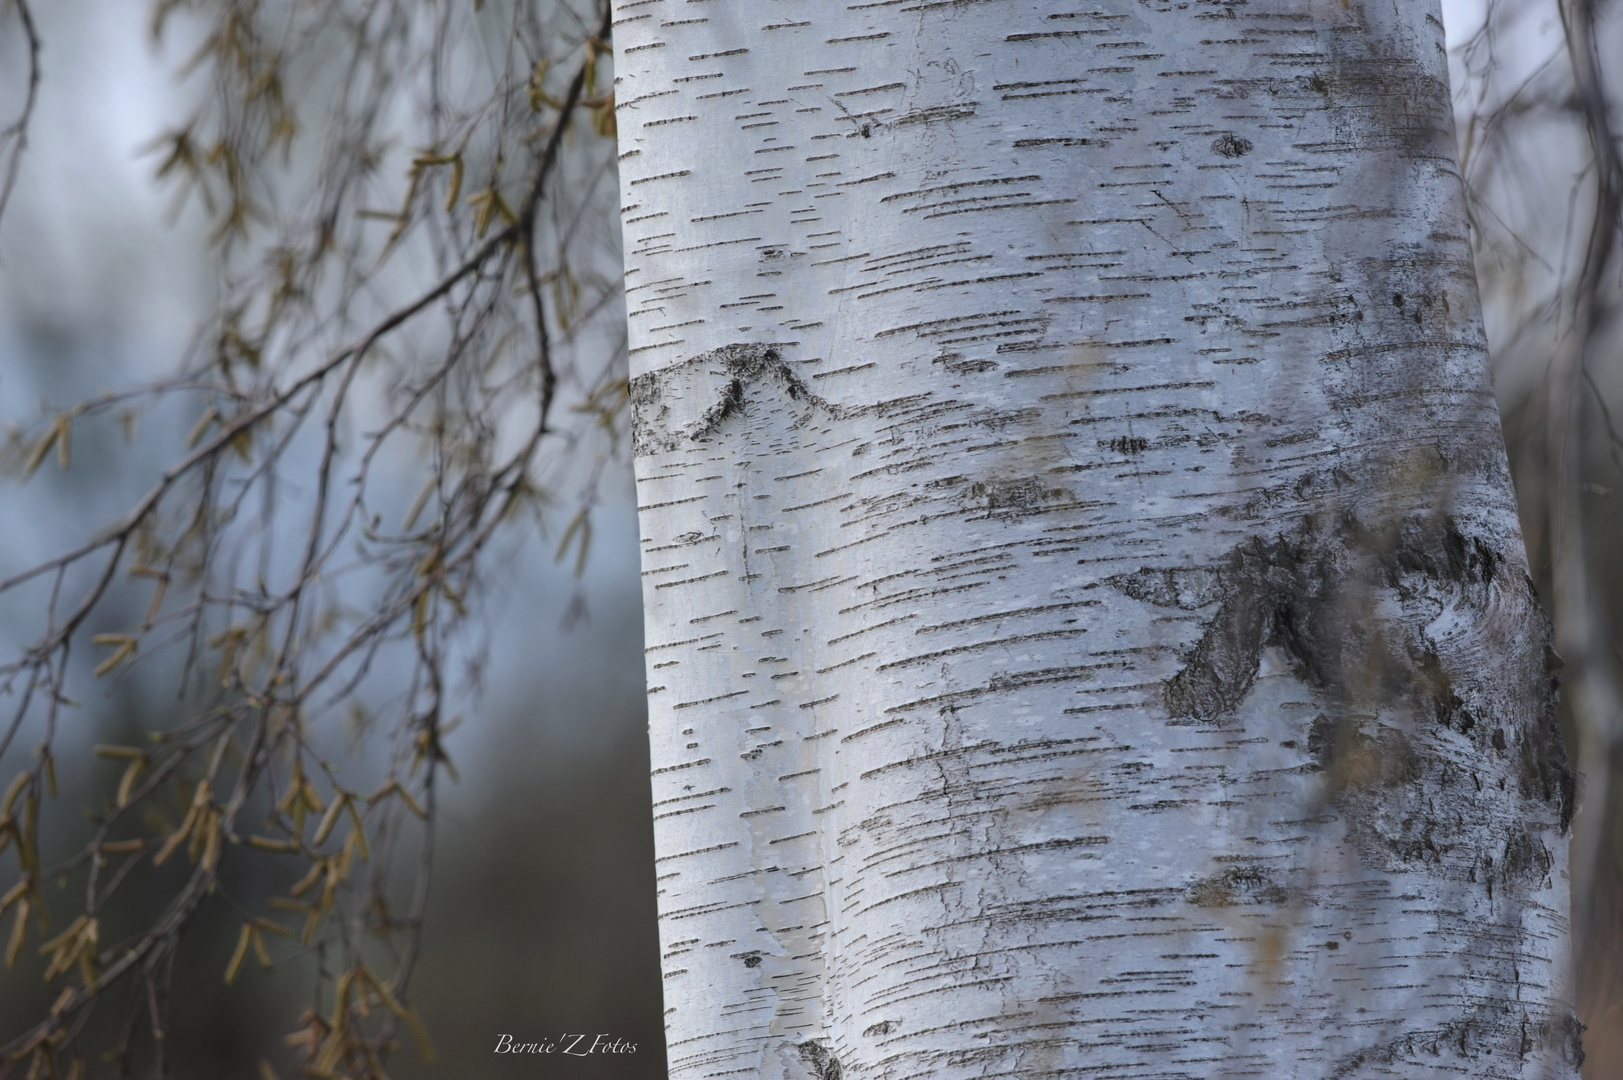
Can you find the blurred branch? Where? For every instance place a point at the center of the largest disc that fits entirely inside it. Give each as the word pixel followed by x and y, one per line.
pixel 14 136
pixel 1545 190
pixel 1581 623
pixel 287 644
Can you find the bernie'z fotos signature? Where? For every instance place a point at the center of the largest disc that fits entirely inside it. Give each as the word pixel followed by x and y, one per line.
pixel 567 1045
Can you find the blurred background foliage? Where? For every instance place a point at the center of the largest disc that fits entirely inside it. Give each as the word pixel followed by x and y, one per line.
pixel 1537 85
pixel 214 211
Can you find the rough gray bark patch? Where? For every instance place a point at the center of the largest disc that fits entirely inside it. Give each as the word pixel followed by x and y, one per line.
pixel 1312 595
pixel 716 382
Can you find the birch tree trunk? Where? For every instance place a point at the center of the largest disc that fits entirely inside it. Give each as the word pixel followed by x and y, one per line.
pixel 1088 628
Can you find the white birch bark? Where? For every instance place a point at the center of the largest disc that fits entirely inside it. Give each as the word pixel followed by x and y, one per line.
pixel 1088 629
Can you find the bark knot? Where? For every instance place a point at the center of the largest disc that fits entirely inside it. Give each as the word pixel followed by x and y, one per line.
pixel 690 401
pixel 824 1065
pixel 1349 608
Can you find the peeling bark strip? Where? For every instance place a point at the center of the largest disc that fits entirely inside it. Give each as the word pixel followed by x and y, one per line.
pixel 1088 631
